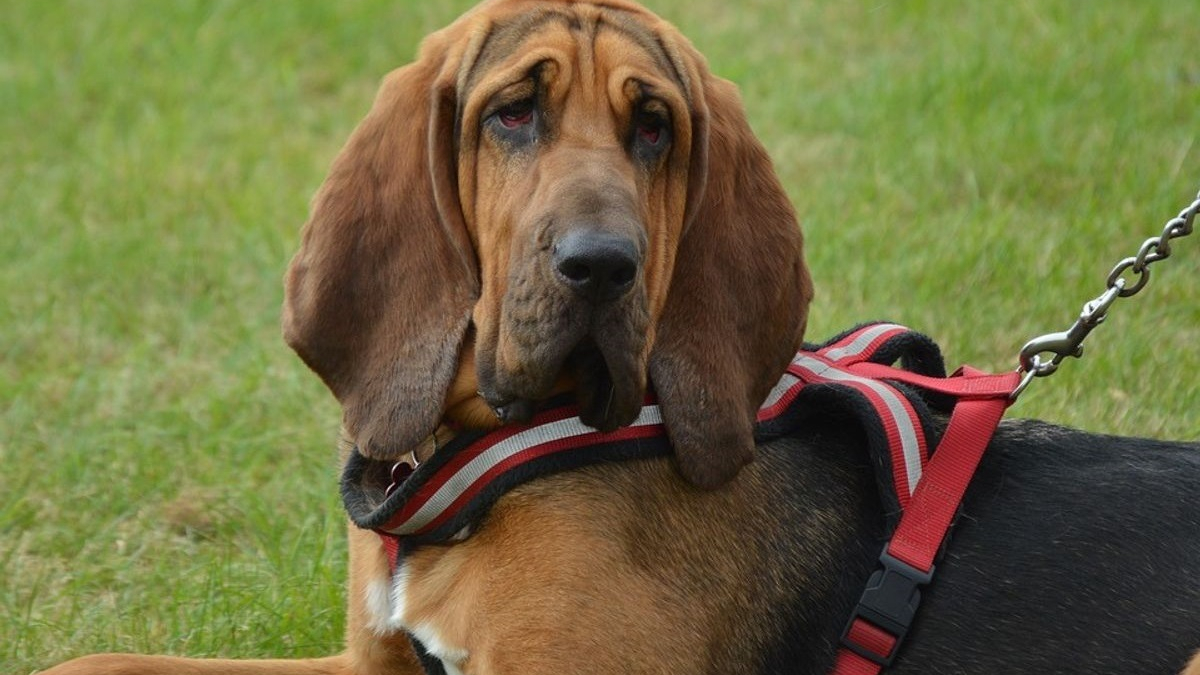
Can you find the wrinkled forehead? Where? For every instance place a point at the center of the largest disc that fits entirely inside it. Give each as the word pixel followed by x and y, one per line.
pixel 596 42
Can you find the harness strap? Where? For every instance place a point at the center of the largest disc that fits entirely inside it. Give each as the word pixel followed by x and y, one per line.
pixel 900 422
pixel 925 524
pixel 446 495
pixel 885 612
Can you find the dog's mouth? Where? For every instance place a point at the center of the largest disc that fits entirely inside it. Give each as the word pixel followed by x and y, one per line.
pixel 609 397
pixel 608 387
pixel 598 355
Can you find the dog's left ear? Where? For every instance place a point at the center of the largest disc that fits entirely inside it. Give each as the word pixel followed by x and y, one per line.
pixel 738 299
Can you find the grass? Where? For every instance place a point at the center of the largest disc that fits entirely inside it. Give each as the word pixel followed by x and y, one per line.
pixel 168 465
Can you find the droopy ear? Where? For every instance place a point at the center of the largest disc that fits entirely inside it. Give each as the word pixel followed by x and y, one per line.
pixel 738 299
pixel 379 295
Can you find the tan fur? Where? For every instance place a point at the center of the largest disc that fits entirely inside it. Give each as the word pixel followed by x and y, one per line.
pixel 594 580
pixel 421 279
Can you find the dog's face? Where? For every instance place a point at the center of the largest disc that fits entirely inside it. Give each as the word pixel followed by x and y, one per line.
pixel 573 158
pixel 556 195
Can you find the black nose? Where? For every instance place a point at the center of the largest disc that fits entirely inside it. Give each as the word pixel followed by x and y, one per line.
pixel 598 266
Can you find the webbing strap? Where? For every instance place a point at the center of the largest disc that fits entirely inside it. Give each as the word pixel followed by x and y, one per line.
pixel 885 612
pixel 924 525
pixel 875 640
pixel 901 424
pixel 447 493
pixel 442 498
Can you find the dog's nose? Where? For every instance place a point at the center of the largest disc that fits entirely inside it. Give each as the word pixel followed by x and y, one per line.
pixel 598 266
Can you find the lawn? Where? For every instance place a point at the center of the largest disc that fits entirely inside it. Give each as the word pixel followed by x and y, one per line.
pixel 169 476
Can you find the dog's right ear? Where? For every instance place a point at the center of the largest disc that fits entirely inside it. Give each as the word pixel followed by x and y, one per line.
pixel 378 298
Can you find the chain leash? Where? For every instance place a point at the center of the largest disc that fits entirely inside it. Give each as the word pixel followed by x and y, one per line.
pixel 1126 279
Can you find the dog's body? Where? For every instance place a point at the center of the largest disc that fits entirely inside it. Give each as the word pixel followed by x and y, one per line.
pixel 1075 554
pixel 1071 556
pixel 560 197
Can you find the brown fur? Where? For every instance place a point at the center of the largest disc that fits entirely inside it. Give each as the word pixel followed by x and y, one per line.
pixel 421 292
pixel 1193 667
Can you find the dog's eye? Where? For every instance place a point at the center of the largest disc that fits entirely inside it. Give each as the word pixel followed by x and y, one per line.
pixel 651 132
pixel 516 115
pixel 650 129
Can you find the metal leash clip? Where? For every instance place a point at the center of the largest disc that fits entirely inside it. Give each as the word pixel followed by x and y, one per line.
pixel 1070 342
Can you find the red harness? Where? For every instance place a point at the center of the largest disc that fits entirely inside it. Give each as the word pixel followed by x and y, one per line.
pixel 929 494
pixel 444 497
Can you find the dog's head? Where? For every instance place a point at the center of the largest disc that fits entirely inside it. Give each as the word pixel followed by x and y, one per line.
pixel 554 195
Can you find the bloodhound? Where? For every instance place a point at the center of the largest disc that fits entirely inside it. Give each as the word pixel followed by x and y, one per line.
pixel 559 197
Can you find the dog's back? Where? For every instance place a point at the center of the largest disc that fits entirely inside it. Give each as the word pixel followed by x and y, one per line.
pixel 1074 552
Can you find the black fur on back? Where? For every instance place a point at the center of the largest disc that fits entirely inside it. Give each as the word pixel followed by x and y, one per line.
pixel 1074 553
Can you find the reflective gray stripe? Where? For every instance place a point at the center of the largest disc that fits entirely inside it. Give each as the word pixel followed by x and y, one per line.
pixel 861 342
pixel 469 474
pixel 785 383
pixel 908 436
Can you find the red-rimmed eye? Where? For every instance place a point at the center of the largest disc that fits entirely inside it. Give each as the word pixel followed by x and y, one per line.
pixel 516 115
pixel 650 129
pixel 650 132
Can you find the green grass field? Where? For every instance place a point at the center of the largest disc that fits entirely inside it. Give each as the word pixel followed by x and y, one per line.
pixel 167 466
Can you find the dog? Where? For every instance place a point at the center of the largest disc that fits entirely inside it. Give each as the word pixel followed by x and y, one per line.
pixel 560 198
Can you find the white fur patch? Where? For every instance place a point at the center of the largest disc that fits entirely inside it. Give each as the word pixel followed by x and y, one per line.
pixel 386 604
pixel 386 601
pixel 451 657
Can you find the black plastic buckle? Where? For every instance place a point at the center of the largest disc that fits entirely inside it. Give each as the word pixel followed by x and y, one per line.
pixel 890 603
